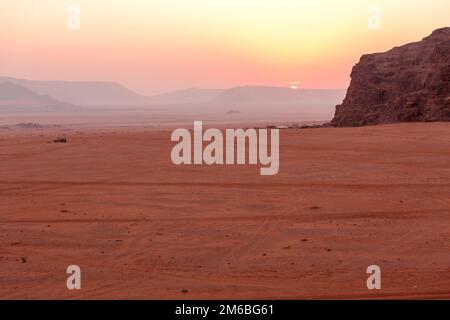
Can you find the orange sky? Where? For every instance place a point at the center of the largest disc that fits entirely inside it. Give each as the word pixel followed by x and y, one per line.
pixel 154 46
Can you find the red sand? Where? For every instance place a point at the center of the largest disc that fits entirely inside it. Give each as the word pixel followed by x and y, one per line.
pixel 112 202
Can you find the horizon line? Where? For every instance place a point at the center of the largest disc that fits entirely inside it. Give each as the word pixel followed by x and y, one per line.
pixel 169 91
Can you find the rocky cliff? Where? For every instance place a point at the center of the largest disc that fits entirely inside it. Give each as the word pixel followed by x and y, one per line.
pixel 406 84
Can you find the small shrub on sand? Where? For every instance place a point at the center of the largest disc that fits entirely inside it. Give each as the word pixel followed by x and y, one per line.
pixel 60 140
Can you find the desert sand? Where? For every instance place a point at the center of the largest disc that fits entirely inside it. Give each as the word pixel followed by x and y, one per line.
pixel 111 201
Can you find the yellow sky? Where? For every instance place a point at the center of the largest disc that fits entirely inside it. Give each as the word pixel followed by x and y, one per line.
pixel 154 46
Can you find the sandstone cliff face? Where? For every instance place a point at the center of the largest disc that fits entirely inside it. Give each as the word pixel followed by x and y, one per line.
pixel 406 84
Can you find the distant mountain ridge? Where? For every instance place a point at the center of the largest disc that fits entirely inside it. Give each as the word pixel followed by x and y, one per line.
pixel 188 96
pixel 251 95
pixel 110 94
pixel 15 96
pixel 89 93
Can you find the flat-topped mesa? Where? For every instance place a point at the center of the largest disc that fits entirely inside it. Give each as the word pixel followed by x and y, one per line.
pixel 410 83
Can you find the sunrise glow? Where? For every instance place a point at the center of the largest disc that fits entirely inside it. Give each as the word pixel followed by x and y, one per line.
pixel 155 46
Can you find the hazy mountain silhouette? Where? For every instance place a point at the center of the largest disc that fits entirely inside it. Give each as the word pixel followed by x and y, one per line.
pixel 188 96
pixel 254 95
pixel 83 93
pixel 16 96
pixel 247 98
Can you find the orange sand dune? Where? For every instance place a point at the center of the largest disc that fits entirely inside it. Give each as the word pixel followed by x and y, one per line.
pixel 111 201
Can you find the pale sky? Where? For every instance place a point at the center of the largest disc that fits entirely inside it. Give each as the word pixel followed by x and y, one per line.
pixel 155 46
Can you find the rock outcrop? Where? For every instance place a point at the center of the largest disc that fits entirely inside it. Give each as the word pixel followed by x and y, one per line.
pixel 406 84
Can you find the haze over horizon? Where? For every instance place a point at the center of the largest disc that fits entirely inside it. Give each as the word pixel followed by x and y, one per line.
pixel 153 47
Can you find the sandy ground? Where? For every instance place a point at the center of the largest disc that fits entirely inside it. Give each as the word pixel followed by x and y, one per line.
pixel 112 202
